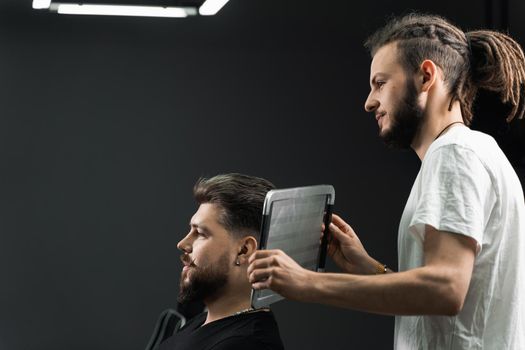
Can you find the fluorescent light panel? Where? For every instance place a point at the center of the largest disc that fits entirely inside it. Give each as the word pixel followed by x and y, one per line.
pixel 208 8
pixel 121 10
pixel 41 4
pixel 211 7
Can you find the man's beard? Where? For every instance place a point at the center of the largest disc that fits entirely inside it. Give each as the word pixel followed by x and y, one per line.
pixel 205 282
pixel 405 120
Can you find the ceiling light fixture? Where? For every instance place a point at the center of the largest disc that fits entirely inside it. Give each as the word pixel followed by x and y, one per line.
pixel 41 4
pixel 211 7
pixel 120 10
pixel 187 8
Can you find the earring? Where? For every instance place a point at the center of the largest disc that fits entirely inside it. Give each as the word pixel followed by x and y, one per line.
pixel 237 263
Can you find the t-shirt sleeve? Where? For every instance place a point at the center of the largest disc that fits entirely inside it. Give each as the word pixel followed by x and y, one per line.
pixel 239 343
pixel 455 188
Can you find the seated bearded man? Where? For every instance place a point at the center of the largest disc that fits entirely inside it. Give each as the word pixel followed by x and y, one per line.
pixel 223 235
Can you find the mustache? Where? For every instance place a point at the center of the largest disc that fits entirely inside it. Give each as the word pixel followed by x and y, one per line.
pixel 187 260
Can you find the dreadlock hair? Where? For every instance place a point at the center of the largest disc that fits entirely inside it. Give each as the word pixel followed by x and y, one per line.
pixel 480 59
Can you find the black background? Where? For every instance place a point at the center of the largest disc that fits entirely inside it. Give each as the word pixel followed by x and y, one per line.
pixel 107 122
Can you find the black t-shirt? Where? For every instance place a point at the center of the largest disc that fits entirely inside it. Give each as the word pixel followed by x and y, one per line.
pixel 253 330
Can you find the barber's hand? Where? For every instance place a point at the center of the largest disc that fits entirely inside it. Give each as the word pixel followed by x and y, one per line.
pixel 273 269
pixel 346 249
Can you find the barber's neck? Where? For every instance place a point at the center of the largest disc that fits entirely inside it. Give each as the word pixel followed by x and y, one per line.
pixel 234 299
pixel 436 120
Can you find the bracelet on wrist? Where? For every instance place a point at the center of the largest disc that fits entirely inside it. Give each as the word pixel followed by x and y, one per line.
pixel 380 269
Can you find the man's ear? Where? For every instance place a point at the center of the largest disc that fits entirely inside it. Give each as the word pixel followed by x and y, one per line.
pixel 247 246
pixel 428 73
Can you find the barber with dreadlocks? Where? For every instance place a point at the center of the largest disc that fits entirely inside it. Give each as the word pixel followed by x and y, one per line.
pixel 461 279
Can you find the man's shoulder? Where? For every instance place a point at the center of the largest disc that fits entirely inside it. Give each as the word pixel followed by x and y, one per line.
pixel 252 330
pixel 462 139
pixel 254 324
pixel 255 330
pixel 471 149
pixel 246 342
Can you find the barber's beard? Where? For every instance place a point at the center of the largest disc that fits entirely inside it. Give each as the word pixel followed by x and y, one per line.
pixel 406 120
pixel 205 282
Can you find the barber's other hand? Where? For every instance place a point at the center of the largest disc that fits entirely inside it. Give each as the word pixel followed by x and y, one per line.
pixel 273 269
pixel 346 249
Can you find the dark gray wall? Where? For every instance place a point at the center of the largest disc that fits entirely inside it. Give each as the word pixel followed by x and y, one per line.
pixel 106 123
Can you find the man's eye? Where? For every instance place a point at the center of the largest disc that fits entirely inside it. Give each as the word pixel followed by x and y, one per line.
pixel 380 84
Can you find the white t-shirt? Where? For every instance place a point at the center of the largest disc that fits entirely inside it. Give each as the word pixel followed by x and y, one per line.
pixel 467 186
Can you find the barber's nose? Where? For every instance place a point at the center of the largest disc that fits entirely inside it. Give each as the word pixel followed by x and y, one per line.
pixel 371 104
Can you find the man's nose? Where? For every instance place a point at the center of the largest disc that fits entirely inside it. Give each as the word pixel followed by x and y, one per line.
pixel 371 104
pixel 185 244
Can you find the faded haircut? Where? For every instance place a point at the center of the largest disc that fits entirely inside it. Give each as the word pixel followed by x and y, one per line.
pixel 240 199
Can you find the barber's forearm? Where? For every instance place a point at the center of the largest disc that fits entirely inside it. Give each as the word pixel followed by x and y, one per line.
pixel 415 292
